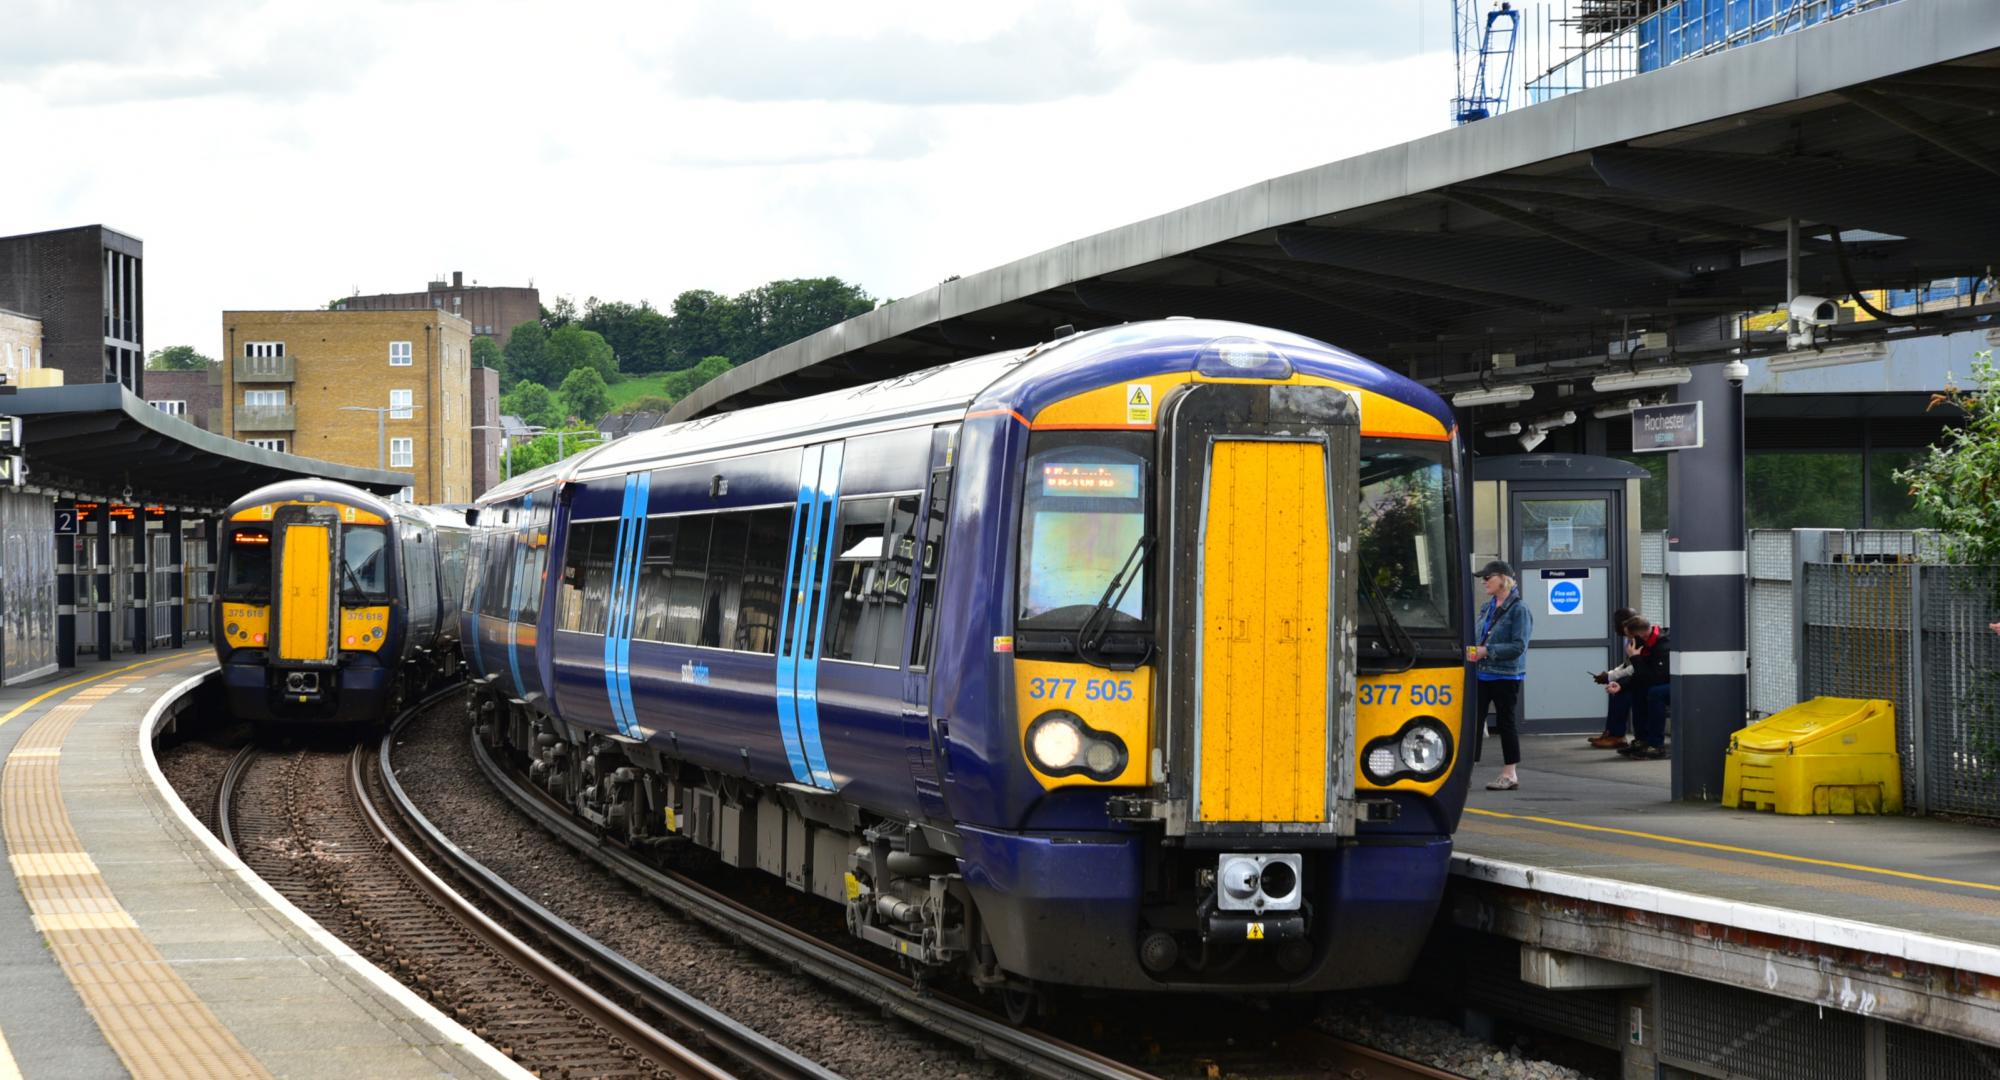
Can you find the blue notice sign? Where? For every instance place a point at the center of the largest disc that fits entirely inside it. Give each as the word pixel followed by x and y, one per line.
pixel 1565 598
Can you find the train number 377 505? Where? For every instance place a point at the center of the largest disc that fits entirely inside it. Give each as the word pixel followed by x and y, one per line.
pixel 1093 689
pixel 1437 694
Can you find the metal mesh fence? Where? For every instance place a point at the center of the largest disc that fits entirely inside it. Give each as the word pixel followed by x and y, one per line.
pixel 1916 1054
pixel 1653 578
pixel 1961 690
pixel 1858 645
pixel 1719 1030
pixel 1774 673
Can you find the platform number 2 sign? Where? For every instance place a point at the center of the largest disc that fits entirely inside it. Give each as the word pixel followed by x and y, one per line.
pixel 65 523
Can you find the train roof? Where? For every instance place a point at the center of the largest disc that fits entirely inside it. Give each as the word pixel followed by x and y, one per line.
pixel 312 491
pixel 1026 377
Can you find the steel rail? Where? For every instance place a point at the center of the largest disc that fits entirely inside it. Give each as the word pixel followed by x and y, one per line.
pixel 674 1056
pixel 729 1036
pixel 887 990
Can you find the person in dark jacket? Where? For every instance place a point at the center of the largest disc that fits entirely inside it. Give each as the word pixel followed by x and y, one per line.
pixel 1617 715
pixel 1501 663
pixel 1649 683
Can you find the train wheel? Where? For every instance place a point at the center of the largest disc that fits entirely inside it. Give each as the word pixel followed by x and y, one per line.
pixel 1021 1002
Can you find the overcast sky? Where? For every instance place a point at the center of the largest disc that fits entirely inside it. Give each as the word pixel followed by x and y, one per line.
pixel 279 155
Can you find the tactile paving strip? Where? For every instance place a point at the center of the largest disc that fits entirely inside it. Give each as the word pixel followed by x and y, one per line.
pixel 149 1016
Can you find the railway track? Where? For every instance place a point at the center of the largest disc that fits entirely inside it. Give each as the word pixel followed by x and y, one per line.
pixel 1311 1053
pixel 307 822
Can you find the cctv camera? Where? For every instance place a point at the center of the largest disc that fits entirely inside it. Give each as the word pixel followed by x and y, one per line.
pixel 1814 311
pixel 1532 438
pixel 1736 371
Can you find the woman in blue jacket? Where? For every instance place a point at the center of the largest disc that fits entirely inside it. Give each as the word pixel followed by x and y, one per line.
pixel 1505 625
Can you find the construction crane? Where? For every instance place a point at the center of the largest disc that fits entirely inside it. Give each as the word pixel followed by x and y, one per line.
pixel 1485 58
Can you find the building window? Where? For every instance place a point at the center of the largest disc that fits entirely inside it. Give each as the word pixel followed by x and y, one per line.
pixel 402 453
pixel 404 495
pixel 400 354
pixel 400 402
pixel 268 444
pixel 263 348
pixel 263 397
pixel 171 408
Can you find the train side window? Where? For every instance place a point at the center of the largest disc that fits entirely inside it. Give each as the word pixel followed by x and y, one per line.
pixel 656 561
pixel 534 537
pixel 763 581
pixel 602 552
pixel 864 605
pixel 575 575
pixel 723 592
pixel 689 579
pixel 930 552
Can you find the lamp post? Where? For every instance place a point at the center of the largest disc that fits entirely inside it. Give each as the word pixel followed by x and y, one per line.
pixel 381 427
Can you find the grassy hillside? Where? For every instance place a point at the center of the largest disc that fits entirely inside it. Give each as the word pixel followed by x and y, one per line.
pixel 634 387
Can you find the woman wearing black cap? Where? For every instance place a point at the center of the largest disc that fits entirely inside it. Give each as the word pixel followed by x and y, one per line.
pixel 1501 659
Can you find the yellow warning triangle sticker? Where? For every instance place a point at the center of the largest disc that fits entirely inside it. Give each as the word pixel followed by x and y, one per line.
pixel 1140 394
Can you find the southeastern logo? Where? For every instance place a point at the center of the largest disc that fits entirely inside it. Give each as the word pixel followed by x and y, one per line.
pixel 694 673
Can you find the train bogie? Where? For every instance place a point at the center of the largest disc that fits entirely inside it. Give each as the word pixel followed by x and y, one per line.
pixel 1130 662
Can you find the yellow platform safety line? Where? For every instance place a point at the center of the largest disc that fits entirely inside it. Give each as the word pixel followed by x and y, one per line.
pixel 8 1070
pixel 1710 845
pixel 47 694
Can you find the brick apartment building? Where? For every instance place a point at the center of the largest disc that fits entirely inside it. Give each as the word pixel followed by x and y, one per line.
pixel 486 434
pixel 387 389
pixel 194 396
pixel 20 344
pixel 86 285
pixel 493 310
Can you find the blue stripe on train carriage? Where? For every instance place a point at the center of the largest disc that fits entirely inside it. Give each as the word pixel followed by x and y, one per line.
pixel 792 609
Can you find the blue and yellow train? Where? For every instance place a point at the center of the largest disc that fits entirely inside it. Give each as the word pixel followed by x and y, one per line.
pixel 1131 660
pixel 334 605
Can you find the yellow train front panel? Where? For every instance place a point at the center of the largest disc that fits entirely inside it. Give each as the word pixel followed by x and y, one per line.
pixel 1385 703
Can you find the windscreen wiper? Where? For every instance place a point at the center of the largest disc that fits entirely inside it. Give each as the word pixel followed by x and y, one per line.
pixel 1087 647
pixel 1399 640
pixel 353 578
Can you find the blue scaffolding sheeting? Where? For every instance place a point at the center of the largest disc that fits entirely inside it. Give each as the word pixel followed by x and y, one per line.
pixel 1682 30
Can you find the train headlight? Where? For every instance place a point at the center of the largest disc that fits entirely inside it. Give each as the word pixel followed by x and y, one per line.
pixel 1242 358
pixel 1061 744
pixel 1421 751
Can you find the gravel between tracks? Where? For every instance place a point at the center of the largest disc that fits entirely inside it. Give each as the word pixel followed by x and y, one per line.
pixel 435 768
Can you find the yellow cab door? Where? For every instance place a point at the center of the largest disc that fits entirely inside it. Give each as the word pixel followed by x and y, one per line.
pixel 1259 654
pixel 305 590
pixel 1266 606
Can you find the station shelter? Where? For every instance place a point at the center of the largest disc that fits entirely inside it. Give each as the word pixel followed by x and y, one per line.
pixel 108 523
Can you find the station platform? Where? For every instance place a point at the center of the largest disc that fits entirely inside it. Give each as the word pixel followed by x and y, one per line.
pixel 1892 917
pixel 134 944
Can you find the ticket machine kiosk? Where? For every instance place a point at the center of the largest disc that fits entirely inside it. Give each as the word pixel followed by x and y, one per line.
pixel 1569 524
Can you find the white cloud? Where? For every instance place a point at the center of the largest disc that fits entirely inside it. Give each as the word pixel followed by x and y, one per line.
pixel 276 155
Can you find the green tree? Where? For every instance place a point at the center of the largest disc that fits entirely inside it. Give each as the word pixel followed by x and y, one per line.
pixel 638 336
pixel 527 356
pixel 703 323
pixel 584 395
pixel 547 448
pixel 563 314
pixel 782 312
pixel 573 347
pixel 1958 482
pixel 682 383
pixel 532 402
pixel 486 353
pixel 177 358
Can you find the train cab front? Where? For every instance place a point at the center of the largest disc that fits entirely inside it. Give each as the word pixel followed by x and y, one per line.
pixel 1236 653
pixel 305 613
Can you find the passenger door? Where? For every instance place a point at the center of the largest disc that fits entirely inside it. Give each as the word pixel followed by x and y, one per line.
pixel 813 523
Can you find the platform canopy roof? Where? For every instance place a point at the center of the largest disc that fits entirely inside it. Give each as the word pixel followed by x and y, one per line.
pixel 1657 203
pixel 102 439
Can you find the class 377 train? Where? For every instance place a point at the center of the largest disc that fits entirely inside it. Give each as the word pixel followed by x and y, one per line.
pixel 1130 661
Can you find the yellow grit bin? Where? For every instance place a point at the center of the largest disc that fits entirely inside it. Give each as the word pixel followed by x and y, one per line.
pixel 1829 755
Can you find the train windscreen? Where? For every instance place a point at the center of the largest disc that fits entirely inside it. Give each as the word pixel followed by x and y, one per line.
pixel 1084 513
